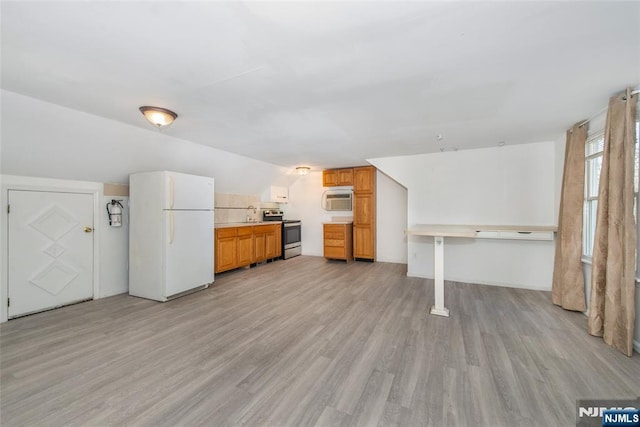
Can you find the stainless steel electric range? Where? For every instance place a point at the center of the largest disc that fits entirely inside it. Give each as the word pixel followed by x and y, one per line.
pixel 291 232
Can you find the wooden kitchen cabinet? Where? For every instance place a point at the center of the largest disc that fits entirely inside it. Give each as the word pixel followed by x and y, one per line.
pixel 364 179
pixel 329 178
pixel 338 241
pixel 364 213
pixel 363 243
pixel 273 241
pixel 337 177
pixel 226 250
pixel 242 246
pixel 267 241
pixel 259 247
pixel 363 209
pixel 345 177
pixel 260 238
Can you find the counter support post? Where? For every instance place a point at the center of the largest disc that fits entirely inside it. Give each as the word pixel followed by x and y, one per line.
pixel 438 277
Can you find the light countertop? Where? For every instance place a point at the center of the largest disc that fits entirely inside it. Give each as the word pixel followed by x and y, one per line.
pixel 472 230
pixel 338 222
pixel 244 224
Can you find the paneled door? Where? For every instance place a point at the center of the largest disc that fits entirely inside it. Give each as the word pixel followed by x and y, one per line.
pixel 50 250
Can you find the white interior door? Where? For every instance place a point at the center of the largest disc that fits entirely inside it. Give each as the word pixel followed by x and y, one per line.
pixel 50 250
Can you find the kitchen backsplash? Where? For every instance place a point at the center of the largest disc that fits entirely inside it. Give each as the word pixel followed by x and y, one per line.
pixel 236 207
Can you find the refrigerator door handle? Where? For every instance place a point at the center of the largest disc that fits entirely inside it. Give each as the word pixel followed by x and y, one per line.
pixel 171 227
pixel 172 194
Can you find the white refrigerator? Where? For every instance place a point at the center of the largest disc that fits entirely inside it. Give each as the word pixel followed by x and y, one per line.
pixel 170 234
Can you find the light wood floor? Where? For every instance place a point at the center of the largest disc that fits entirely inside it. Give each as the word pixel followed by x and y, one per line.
pixel 309 342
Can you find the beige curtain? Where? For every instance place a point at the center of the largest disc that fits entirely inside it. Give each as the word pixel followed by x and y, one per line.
pixel 568 279
pixel 611 308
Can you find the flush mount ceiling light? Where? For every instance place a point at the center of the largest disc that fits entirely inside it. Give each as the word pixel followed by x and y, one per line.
pixel 159 117
pixel 303 170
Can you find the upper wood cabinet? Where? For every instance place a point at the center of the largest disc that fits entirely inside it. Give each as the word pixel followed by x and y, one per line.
pixel 337 177
pixel 345 177
pixel 329 178
pixel 364 179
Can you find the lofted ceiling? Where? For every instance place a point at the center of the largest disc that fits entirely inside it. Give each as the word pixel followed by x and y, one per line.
pixel 328 84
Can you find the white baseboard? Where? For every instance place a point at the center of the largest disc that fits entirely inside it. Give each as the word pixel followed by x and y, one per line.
pixel 312 253
pixel 113 292
pixel 483 282
pixel 392 260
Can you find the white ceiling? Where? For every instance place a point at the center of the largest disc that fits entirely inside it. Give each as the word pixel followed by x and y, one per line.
pixel 328 83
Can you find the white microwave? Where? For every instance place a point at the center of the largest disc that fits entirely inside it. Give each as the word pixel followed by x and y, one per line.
pixel 338 201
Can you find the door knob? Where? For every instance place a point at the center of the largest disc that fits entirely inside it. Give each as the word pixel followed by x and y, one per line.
pixel 87 229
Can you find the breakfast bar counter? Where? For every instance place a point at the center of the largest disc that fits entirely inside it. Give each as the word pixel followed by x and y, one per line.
pixel 440 231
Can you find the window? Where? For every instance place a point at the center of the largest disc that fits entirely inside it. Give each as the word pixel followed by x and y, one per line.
pixel 593 158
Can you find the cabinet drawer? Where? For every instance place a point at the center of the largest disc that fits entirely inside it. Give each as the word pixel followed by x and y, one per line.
pixel 245 231
pixel 262 228
pixel 527 235
pixel 334 234
pixel 334 242
pixel 516 235
pixel 221 233
pixel 332 252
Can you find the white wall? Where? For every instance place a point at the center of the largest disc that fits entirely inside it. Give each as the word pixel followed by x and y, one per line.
pixel 304 204
pixel 44 140
pixel 305 195
pixel 512 185
pixel 114 251
pixel 391 217
pixel 41 139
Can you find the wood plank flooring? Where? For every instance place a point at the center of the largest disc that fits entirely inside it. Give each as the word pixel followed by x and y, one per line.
pixel 309 342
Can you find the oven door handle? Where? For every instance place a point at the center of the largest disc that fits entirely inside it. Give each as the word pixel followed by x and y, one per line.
pixel 294 224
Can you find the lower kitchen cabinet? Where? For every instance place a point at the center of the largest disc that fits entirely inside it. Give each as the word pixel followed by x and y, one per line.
pixel 226 249
pixel 338 241
pixel 245 245
pixel 260 238
pixel 364 244
pixel 272 245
